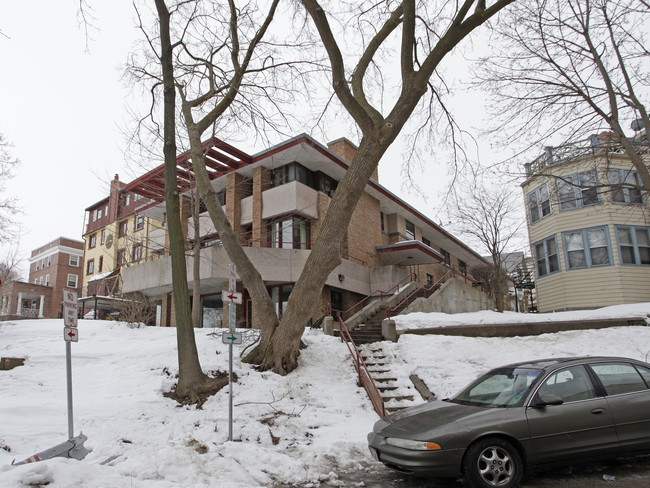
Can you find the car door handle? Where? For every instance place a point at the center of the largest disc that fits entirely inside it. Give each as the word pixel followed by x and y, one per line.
pixel 598 411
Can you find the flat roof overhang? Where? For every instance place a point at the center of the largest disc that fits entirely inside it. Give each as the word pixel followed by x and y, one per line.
pixel 407 253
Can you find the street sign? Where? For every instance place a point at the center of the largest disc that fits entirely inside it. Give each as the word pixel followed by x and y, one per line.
pixel 71 334
pixel 231 338
pixel 69 308
pixel 232 297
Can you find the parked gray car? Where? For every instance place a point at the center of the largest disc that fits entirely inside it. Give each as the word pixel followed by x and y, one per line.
pixel 544 412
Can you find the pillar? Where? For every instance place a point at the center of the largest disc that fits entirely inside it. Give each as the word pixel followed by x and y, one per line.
pixel 41 307
pixel 19 308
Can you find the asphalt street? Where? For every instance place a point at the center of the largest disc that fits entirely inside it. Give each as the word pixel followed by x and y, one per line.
pixel 621 473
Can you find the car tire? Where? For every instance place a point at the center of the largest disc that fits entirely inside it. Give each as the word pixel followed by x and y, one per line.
pixel 492 463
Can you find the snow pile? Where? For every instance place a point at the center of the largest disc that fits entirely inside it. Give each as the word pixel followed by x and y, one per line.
pixel 296 430
pixel 420 320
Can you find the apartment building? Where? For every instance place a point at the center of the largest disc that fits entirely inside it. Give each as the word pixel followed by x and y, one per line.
pixel 588 225
pixel 275 201
pixel 52 267
pixel 116 235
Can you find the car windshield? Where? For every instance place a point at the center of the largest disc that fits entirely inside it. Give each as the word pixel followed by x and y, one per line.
pixel 503 387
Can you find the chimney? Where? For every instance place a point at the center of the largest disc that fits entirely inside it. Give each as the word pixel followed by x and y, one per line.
pixel 114 198
pixel 344 149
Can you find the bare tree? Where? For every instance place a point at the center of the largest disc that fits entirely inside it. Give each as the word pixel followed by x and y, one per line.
pixel 427 36
pixel 8 205
pixel 492 217
pixel 419 36
pixel 571 68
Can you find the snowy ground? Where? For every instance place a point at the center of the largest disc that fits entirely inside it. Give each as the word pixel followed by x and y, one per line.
pixel 302 428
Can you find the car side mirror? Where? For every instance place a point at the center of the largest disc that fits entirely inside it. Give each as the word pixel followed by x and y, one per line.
pixel 548 399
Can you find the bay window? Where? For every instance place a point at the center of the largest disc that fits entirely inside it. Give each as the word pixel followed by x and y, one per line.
pixel 587 248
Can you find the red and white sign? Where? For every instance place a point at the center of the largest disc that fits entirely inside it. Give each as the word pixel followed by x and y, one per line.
pixel 231 297
pixel 69 308
pixel 71 334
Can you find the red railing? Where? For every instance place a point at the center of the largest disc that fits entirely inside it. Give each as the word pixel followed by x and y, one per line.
pixel 365 380
pixel 377 293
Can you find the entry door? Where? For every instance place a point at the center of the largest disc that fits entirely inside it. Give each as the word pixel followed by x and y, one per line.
pixel 336 299
pixel 582 426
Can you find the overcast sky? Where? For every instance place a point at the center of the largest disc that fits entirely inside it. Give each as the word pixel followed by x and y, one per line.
pixel 63 106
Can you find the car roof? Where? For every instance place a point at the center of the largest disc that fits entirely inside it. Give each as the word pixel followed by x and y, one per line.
pixel 552 363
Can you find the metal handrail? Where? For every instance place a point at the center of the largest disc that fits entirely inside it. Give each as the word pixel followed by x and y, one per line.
pixel 375 293
pixel 365 381
pixel 444 277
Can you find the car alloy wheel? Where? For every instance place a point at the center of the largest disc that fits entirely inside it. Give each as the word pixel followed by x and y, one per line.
pixel 493 463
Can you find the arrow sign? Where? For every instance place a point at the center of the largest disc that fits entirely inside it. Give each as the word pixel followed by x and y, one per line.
pixel 231 297
pixel 71 334
pixel 231 338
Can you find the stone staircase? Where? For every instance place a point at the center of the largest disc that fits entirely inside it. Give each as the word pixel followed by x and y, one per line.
pixel 397 393
pixel 365 326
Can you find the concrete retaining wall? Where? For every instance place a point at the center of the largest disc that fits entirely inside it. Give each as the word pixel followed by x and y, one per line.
pixel 454 296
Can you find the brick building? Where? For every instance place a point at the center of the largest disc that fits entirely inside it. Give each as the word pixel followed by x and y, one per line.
pixel 52 267
pixel 275 201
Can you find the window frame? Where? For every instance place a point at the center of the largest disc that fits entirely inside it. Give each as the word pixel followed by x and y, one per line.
pixel 92 241
pixel 623 175
pixel 136 253
pixel 90 266
pixel 278 230
pixel 123 228
pixel 546 256
pixel 539 204
pixel 578 187
pixel 74 258
pixel 138 223
pixel 586 248
pixel 75 280
pixel 409 233
pixel 635 244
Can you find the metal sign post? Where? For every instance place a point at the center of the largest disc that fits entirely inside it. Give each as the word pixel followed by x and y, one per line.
pixel 70 334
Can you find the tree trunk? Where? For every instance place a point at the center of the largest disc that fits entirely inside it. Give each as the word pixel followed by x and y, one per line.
pixel 190 376
pixel 324 257
pixel 196 261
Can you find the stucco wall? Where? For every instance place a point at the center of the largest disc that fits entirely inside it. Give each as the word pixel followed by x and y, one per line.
pixel 454 296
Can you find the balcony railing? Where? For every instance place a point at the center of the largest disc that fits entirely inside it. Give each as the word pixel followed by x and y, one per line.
pixel 594 145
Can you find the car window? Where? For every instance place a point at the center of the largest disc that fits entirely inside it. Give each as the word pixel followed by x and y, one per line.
pixel 619 378
pixel 499 388
pixel 645 372
pixel 571 384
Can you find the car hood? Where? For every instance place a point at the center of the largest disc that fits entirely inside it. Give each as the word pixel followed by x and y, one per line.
pixel 440 418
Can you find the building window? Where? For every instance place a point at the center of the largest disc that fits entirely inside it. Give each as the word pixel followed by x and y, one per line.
pixel 462 267
pixel 578 190
pixel 72 281
pixel 546 257
pixel 290 233
pixel 74 260
pixel 381 219
pixel 539 203
pixel 47 280
pixel 123 228
pixel 587 248
pixel 634 245
pixel 446 257
pixel 49 261
pixel 38 265
pixel 291 172
pixel 137 252
pixel 90 266
pixel 40 280
pixel 92 241
pixel 410 230
pixel 102 238
pixel 98 214
pixel 139 222
pixel 280 296
pixel 429 279
pixel 426 242
pixel 626 186
pixel 121 257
